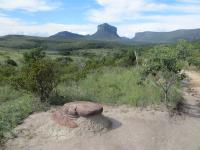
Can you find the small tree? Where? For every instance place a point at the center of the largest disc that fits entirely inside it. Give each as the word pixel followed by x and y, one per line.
pixel 184 49
pixel 40 75
pixel 164 67
pixel 34 55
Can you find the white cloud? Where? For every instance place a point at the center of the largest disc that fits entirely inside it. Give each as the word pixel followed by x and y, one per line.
pixel 160 23
pixel 125 14
pixel 29 5
pixel 128 10
pixel 16 26
pixel 120 10
pixel 133 16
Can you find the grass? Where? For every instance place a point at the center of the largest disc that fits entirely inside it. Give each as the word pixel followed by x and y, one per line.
pixel 114 86
pixel 14 55
pixel 14 107
pixel 7 93
pixel 110 85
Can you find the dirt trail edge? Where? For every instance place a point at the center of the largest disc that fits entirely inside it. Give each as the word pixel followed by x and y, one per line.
pixel 191 94
pixel 132 129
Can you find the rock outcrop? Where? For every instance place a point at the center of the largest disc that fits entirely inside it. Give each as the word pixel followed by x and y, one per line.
pixel 106 31
pixel 70 112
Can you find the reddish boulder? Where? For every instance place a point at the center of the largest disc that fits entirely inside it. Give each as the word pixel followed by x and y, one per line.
pixel 82 108
pixel 70 111
pixel 63 119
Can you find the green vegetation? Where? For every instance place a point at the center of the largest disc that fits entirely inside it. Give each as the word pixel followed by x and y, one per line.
pixel 113 85
pixel 14 107
pixel 165 68
pixel 71 70
pixel 39 75
pixel 167 37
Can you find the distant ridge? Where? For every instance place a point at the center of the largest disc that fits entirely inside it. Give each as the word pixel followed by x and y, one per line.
pixel 67 35
pixel 167 37
pixel 106 32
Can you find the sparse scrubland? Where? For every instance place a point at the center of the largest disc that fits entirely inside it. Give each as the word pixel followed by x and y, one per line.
pixel 113 85
pixel 108 73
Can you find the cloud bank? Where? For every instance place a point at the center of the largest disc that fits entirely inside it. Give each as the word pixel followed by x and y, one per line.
pixel 29 5
pixel 130 16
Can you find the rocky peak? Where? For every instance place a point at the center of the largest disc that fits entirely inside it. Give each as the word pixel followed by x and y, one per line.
pixel 106 31
pixel 107 28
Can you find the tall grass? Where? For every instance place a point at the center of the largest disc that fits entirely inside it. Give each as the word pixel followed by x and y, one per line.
pixel 113 85
pixel 8 93
pixel 14 107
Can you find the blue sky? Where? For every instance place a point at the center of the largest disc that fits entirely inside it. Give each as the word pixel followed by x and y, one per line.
pixel 46 17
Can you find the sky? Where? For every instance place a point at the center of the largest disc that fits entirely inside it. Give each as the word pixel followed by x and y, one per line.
pixel 47 17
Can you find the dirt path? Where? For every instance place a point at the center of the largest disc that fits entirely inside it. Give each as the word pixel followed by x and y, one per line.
pixel 133 129
pixel 191 94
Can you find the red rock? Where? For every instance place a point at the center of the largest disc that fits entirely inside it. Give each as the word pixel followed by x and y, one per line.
pixel 82 108
pixel 63 119
pixel 70 111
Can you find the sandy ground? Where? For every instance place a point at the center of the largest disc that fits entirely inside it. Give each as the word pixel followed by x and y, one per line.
pixel 132 129
pixel 192 92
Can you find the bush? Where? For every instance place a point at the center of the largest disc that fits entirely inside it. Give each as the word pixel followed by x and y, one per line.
pixel 11 62
pixel 64 60
pixel 39 77
pixel 164 67
pixel 34 55
pixel 6 72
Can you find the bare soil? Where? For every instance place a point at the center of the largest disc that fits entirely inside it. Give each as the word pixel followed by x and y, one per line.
pixel 132 129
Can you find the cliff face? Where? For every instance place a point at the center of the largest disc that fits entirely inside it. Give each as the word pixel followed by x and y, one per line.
pixel 106 31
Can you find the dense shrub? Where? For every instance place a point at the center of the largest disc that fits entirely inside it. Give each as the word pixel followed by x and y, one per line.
pixel 64 60
pixel 6 72
pixel 164 66
pixel 11 62
pixel 39 77
pixel 34 55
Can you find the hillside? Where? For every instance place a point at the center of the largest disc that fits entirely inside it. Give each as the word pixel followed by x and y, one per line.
pixel 67 35
pixel 105 32
pixel 167 37
pixel 106 36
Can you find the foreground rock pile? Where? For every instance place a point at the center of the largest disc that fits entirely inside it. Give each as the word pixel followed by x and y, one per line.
pixel 83 114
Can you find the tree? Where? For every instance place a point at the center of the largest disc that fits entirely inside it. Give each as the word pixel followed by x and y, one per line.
pixel 184 49
pixel 40 75
pixel 164 67
pixel 34 55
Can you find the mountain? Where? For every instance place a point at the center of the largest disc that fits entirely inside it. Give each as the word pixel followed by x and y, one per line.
pixel 167 37
pixel 106 32
pixel 67 35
